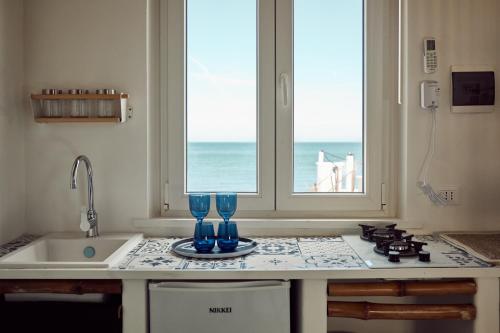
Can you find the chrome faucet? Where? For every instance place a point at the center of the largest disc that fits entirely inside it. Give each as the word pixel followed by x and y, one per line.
pixel 92 227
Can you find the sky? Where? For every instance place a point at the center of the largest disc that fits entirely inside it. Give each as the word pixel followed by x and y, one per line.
pixel 222 66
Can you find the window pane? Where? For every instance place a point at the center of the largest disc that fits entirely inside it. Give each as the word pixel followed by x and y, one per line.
pixel 221 101
pixel 328 95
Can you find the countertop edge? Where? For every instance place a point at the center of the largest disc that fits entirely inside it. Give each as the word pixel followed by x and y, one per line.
pixel 393 273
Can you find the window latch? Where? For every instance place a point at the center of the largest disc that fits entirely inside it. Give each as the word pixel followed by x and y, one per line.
pixel 166 205
pixel 383 196
pixel 284 89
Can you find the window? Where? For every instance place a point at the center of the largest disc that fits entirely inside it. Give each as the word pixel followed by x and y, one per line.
pixel 221 103
pixel 328 96
pixel 281 101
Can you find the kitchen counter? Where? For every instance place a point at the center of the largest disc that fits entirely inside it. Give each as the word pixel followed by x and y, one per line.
pixel 311 261
pixel 274 258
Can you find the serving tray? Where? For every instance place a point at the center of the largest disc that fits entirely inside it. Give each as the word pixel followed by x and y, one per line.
pixel 185 248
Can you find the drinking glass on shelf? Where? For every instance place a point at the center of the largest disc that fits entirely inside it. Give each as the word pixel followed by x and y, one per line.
pixel 75 103
pixel 227 235
pixel 49 107
pixel 86 105
pixel 204 235
pixel 45 110
pixel 108 106
pixel 57 110
pixel 101 104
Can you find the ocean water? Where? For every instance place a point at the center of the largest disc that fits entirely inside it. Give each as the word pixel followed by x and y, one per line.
pixel 231 166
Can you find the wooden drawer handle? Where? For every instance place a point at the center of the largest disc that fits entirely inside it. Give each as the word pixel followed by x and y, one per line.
pixel 403 288
pixel 367 311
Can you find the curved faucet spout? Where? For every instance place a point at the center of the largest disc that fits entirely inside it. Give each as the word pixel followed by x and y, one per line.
pixel 91 213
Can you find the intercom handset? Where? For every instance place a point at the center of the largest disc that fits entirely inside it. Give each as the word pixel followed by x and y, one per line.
pixel 430 55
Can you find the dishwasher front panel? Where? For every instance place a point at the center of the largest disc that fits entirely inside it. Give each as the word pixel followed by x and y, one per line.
pixel 220 307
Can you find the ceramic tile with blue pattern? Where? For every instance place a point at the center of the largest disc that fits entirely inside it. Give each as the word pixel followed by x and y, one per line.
pixel 274 262
pixel 325 248
pixel 277 246
pixel 215 264
pixel 339 261
pixel 229 264
pixel 16 244
pixel 464 259
pixel 154 246
pixel 166 262
pixel 321 239
pixel 274 239
pixel 195 264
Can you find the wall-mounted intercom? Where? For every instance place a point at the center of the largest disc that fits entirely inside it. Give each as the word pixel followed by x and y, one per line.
pixel 430 55
pixel 472 89
pixel 429 94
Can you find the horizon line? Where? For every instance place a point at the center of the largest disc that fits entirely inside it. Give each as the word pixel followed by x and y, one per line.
pixel 319 141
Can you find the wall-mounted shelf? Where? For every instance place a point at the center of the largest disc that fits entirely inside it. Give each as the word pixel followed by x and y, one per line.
pixel 82 96
pixel 78 120
pixel 80 108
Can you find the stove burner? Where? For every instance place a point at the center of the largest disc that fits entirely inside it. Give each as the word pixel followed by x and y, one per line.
pixel 390 241
pixel 389 232
pixel 400 246
pixel 369 232
pixel 383 233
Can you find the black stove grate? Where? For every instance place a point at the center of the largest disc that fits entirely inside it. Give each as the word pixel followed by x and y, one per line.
pixel 389 239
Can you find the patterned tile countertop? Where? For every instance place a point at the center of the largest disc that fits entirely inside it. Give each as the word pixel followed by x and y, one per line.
pixel 271 254
pixel 16 243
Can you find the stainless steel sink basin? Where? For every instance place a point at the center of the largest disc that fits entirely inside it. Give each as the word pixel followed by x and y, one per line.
pixel 71 251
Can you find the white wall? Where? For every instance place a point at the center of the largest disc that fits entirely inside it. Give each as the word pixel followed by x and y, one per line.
pixel 12 188
pixel 468 152
pixel 95 43
pixel 86 44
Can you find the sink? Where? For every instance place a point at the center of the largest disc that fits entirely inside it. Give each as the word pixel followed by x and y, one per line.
pixel 71 251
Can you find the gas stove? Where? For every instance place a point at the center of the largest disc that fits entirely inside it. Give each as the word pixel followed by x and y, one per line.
pixel 390 247
pixel 394 243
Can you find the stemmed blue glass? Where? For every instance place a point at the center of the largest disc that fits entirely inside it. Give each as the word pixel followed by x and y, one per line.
pixel 204 235
pixel 226 205
pixel 227 235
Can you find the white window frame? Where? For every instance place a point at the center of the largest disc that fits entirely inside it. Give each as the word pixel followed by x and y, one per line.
pixel 275 197
pixel 172 50
pixel 370 200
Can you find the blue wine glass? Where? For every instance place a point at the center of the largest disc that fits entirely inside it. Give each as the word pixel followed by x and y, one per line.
pixel 199 205
pixel 204 236
pixel 227 236
pixel 226 205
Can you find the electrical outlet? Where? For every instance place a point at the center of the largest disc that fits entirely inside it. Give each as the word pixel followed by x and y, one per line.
pixel 450 194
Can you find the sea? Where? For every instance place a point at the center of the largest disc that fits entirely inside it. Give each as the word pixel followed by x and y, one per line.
pixel 232 166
